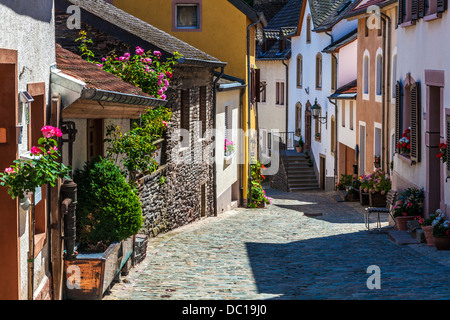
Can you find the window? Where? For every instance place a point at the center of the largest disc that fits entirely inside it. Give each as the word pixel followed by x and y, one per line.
pixel 343 114
pixel 412 10
pixel 263 140
pixel 366 74
pixel 319 71
pixel 379 74
pixel 298 118
pixel 185 117
pixel 351 115
pixel 279 93
pixel 299 71
pixel 203 106
pixel 317 127
pixel 186 15
pixel 308 29
pixel 333 73
pixel 408 115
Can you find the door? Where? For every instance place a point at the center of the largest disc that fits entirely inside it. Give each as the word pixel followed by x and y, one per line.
pixel 307 130
pixel 322 172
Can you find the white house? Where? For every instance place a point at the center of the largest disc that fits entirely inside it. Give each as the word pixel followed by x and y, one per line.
pixel 313 77
pixel 423 100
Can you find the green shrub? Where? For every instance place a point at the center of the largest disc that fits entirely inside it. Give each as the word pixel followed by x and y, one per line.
pixel 108 207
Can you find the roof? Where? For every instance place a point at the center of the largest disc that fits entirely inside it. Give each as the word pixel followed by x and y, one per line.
pixel 326 13
pixel 245 9
pixel 287 17
pixel 347 91
pixel 363 5
pixel 143 30
pixel 336 45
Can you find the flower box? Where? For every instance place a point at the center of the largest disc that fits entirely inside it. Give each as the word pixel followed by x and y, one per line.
pixel 89 275
pixel 377 199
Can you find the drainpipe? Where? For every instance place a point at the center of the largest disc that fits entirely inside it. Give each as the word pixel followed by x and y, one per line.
pixel 242 163
pixel 215 142
pixel 249 196
pixel 386 93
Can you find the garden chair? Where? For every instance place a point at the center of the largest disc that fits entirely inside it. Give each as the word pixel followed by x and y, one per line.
pixel 391 198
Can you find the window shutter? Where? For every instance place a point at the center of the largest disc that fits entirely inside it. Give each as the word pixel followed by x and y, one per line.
pixel 441 5
pixel 400 11
pixel 415 122
pixel 421 8
pixel 414 9
pixel 398 115
pixel 252 85
pixel 447 121
pixel 258 85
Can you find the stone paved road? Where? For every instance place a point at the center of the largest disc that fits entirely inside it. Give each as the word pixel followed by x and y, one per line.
pixel 280 253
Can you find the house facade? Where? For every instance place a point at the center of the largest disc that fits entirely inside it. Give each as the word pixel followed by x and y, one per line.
pixel 313 78
pixel 422 99
pixel 225 29
pixel 376 60
pixel 25 66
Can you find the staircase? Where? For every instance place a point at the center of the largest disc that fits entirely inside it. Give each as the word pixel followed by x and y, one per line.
pixel 300 175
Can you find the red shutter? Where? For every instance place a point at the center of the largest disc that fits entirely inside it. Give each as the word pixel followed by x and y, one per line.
pixel 415 122
pixel 398 115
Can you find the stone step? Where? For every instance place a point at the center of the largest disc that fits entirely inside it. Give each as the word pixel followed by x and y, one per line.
pixel 303 185
pixel 302 179
pixel 303 188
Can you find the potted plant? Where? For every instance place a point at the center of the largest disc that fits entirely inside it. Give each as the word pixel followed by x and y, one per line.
pixel 409 205
pixel 376 185
pixel 377 162
pixel 441 232
pixel 365 185
pixel 109 214
pixel 404 143
pixel 299 145
pixel 442 152
pixel 298 132
pixel 425 224
pixel 352 191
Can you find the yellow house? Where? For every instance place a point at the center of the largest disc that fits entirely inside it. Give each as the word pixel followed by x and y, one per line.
pixel 225 29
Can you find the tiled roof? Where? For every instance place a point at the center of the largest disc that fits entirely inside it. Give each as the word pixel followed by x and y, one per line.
pixel 363 5
pixel 347 91
pixel 286 17
pixel 245 9
pixel 141 29
pixel 94 77
pixel 341 42
pixel 273 53
pixel 326 13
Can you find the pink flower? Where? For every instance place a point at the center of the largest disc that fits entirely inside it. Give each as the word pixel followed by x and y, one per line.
pixel 103 59
pixel 9 170
pixel 159 82
pixel 49 131
pixel 35 150
pixel 160 92
pixel 100 65
pixel 164 123
pixel 157 53
pixel 169 74
pixel 139 51
pixel 163 96
pixel 127 55
pixel 166 83
pixel 54 148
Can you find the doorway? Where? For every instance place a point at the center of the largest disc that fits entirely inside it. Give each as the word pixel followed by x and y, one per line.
pixel 322 172
pixel 308 126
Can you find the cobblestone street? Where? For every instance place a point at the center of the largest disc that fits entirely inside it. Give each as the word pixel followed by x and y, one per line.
pixel 284 252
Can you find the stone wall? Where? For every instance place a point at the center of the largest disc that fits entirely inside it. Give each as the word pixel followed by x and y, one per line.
pixel 279 180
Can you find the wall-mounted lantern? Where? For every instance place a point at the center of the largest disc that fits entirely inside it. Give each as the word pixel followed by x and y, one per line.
pixel 315 110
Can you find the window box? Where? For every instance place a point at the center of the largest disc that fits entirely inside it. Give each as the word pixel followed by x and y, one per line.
pixel 406 158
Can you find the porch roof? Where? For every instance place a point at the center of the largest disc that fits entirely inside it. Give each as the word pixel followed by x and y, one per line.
pixel 347 91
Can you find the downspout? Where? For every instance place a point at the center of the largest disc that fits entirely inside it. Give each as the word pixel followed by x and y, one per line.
pixel 242 163
pixel 387 93
pixel 335 151
pixel 215 142
pixel 249 195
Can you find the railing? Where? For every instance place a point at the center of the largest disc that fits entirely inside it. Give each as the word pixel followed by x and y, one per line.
pixel 286 140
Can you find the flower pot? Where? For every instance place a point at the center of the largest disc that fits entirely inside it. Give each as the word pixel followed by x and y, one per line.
pixel 377 199
pixel 96 271
pixel 299 149
pixel 442 243
pixel 363 198
pixel 401 222
pixel 352 196
pixel 428 232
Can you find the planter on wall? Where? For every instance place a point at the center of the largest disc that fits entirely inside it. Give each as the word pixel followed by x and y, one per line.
pixel 377 199
pixel 96 271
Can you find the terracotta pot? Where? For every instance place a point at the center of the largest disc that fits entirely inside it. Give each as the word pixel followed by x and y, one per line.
pixel 442 243
pixel 299 149
pixel 428 232
pixel 401 222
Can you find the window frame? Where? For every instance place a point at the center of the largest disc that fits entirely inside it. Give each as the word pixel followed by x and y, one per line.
pixel 319 71
pixel 175 4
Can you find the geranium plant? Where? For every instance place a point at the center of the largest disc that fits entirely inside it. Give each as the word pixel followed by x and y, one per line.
pixel 344 181
pixel 409 203
pixel 378 181
pixel 258 194
pixel 442 152
pixel 404 144
pixel 42 167
pixel 424 222
pixel 377 161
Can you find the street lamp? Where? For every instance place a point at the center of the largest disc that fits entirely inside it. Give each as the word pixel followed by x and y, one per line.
pixel 315 110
